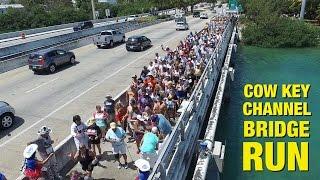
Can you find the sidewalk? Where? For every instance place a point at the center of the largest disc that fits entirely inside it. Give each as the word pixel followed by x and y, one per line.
pixel 108 166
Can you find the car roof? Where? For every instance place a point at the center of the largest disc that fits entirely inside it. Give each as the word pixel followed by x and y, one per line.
pixel 44 51
pixel 110 30
pixel 136 36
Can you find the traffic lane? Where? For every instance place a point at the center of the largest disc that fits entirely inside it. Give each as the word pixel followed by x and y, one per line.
pixel 23 79
pixel 61 85
pixel 60 88
pixel 84 105
pixel 43 35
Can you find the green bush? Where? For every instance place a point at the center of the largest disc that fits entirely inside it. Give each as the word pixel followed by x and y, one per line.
pixel 266 28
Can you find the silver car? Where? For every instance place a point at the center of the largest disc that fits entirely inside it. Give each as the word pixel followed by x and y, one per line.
pixel 6 115
pixel 49 59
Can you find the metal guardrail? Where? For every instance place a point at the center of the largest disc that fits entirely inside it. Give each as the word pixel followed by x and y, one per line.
pixel 176 152
pixel 203 161
pixel 65 26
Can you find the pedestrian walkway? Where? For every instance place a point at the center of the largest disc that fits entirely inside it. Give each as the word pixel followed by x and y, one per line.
pixel 108 166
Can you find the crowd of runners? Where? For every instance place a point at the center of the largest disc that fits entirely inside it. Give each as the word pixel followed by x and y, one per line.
pixel 146 117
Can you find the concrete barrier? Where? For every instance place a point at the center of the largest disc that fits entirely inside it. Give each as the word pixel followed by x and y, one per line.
pixel 56 27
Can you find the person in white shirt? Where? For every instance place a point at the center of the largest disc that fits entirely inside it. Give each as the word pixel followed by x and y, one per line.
pixel 78 130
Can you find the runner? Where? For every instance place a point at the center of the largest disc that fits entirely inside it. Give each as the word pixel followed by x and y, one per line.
pixel 109 107
pixel 32 166
pixel 143 169
pixel 78 130
pixel 116 136
pixel 45 148
pixel 94 133
pixel 86 158
pixel 102 121
pixel 149 145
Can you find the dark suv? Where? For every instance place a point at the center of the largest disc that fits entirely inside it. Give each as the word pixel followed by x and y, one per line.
pixel 83 25
pixel 196 14
pixel 137 43
pixel 50 59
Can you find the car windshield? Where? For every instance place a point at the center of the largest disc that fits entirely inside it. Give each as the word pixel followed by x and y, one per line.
pixel 106 33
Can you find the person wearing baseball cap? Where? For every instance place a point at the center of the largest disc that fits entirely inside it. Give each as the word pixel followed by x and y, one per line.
pixel 116 136
pixel 143 169
pixel 109 107
pixel 162 124
pixel 95 134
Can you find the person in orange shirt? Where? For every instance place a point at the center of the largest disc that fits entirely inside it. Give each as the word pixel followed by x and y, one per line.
pixel 150 79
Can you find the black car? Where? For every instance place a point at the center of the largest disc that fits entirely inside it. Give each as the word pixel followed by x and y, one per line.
pixel 137 43
pixel 196 14
pixel 83 25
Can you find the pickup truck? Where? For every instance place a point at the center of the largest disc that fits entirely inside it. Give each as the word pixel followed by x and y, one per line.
pixel 109 38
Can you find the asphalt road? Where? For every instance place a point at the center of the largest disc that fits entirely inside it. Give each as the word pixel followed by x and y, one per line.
pixel 52 100
pixel 43 35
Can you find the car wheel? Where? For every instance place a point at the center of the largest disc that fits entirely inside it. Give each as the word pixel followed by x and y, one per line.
pixel 141 48
pixel 72 60
pixel 6 120
pixel 52 68
pixel 111 44
pixel 98 46
pixel 123 39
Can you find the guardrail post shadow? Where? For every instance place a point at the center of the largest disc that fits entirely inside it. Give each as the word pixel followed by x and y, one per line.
pixel 163 173
pixel 182 129
pixel 202 84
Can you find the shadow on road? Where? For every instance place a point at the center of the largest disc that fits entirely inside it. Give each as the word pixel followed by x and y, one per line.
pixel 18 121
pixel 59 68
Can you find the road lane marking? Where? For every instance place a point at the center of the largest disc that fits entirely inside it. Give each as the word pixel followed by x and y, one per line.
pixel 81 94
pixel 41 85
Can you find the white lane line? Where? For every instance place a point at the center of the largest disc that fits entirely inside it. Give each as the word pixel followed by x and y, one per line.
pixel 41 85
pixel 81 94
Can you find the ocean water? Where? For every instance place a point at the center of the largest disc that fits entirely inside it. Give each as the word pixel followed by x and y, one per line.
pixel 281 66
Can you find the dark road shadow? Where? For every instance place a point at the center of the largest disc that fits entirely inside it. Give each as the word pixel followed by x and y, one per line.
pixel 18 121
pixel 58 69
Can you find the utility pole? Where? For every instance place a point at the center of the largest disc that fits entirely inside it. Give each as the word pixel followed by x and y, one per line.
pixel 93 10
pixel 303 6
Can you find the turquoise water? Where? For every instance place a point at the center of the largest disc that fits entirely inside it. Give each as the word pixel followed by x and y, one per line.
pixel 258 65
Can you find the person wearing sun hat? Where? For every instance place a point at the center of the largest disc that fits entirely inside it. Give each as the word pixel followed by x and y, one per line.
pixel 116 136
pixel 143 169
pixel 32 166
pixel 45 148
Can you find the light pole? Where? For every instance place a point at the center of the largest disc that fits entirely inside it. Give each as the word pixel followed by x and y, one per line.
pixel 303 6
pixel 93 10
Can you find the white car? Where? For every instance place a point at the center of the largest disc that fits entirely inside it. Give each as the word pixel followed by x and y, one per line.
pixel 203 16
pixel 182 26
pixel 6 115
pixel 109 38
pixel 132 18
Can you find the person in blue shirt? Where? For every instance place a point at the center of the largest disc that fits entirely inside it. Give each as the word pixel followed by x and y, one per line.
pixel 2 177
pixel 149 145
pixel 162 124
pixel 143 169
pixel 116 135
